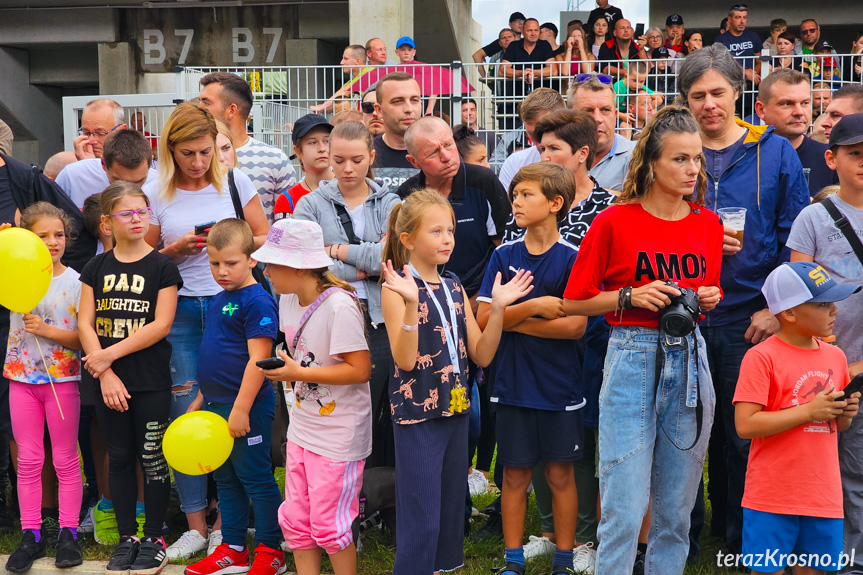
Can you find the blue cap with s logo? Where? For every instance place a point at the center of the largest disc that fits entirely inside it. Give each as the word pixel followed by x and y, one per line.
pixel 794 283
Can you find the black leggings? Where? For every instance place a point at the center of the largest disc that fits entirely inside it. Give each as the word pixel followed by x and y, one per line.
pixel 137 434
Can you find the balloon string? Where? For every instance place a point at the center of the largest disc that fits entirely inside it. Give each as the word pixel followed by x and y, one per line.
pixel 50 379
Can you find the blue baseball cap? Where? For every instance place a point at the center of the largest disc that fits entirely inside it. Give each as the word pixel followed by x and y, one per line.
pixel 406 40
pixel 793 283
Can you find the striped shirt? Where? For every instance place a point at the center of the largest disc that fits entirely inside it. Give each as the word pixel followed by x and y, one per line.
pixel 269 169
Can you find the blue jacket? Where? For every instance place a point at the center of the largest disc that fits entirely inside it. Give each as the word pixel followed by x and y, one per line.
pixel 767 179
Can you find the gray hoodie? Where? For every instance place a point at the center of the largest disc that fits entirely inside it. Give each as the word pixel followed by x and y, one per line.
pixel 319 206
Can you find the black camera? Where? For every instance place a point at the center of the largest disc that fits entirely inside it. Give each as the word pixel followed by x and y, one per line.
pixel 678 319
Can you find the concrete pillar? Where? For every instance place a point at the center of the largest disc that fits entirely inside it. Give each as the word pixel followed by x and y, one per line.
pixel 117 68
pixel 388 20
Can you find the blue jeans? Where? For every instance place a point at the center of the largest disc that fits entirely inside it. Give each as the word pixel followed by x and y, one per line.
pixel 186 334
pixel 725 350
pixel 247 474
pixel 642 448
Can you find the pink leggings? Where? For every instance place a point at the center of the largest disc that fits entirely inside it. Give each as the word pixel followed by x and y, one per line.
pixel 31 405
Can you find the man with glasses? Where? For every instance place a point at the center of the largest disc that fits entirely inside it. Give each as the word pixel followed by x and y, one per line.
pixel 99 118
pixel 620 47
pixel 810 36
pixel 372 117
pixel 125 156
pixel 743 43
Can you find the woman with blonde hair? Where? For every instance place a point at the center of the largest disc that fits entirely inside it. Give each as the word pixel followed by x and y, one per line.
pixel 225 146
pixel 192 194
pixel 577 58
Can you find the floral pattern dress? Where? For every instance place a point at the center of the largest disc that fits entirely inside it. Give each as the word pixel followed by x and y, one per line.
pixel 29 361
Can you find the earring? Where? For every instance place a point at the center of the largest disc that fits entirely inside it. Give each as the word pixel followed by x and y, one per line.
pixel 411 248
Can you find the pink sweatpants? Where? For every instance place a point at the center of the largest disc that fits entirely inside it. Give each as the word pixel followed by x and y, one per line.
pixel 31 405
pixel 321 500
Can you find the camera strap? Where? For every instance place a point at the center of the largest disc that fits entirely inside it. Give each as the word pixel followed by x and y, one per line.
pixel 659 367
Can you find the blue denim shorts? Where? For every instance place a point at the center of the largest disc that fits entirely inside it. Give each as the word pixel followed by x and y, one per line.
pixel 770 540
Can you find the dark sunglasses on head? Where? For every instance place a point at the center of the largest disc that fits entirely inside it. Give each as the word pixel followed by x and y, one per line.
pixel 604 78
pixel 368 107
pixel 740 8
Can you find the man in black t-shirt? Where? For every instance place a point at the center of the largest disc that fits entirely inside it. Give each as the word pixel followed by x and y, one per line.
pixel 784 102
pixel 400 105
pixel 620 47
pixel 494 50
pixel 611 14
pixel 548 32
pixel 526 63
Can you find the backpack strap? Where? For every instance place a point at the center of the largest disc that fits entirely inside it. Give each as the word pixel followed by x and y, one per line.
pixel 347 223
pixel 845 227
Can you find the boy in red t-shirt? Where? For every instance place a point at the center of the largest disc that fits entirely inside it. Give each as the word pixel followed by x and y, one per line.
pixel 788 402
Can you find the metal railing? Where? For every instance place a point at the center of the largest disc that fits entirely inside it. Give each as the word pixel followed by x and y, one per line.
pixel 283 94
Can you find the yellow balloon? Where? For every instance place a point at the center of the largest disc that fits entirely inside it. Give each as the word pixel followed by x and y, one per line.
pixel 197 443
pixel 26 269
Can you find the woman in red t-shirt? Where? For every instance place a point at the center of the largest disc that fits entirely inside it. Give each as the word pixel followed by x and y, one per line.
pixel 311 136
pixel 653 427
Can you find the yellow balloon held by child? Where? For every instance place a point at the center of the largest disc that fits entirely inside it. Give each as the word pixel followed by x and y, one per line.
pixel 27 269
pixel 197 443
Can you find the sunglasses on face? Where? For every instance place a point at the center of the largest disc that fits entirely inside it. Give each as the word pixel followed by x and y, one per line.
pixel 368 107
pixel 809 31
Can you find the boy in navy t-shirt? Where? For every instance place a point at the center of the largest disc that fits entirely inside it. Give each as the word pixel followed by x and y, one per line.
pixel 536 388
pixel 240 329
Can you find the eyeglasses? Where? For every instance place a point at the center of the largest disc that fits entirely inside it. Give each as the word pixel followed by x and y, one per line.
pixel 368 107
pixel 808 30
pixel 126 216
pixel 98 133
pixel 604 78
pixel 522 21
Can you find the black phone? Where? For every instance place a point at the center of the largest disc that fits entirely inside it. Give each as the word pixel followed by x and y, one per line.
pixel 639 30
pixel 853 386
pixel 201 228
pixel 271 363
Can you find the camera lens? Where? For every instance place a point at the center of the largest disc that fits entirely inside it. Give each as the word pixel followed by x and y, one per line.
pixel 676 321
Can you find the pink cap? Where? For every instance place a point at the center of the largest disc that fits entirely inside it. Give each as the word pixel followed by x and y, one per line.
pixel 297 244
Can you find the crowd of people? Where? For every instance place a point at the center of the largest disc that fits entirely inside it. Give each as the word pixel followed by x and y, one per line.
pixel 593 314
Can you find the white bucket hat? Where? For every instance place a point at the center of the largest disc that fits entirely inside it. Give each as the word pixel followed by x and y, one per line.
pixel 298 244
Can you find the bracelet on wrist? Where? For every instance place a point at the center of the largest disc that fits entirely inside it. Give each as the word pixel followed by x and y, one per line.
pixel 407 327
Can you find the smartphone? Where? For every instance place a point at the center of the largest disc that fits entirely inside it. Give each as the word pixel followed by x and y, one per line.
pixel 201 228
pixel 639 30
pixel 271 363
pixel 853 386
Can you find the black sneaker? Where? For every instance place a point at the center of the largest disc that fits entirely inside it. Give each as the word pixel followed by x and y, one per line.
pixel 151 557
pixel 123 556
pixel 68 551
pixel 562 570
pixel 510 568
pixel 492 530
pixel 27 552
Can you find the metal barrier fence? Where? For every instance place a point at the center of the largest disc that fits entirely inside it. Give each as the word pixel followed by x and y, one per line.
pixel 283 94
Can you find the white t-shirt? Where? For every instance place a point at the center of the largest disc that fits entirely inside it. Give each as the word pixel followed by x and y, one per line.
pixel 188 209
pixel 358 219
pixel 334 421
pixel 82 179
pixel 517 161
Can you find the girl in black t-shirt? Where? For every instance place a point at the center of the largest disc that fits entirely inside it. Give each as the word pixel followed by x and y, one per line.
pixel 128 302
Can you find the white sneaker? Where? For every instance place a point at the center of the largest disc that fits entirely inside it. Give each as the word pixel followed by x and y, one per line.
pixel 537 547
pixel 584 559
pixel 189 544
pixel 477 483
pixel 214 541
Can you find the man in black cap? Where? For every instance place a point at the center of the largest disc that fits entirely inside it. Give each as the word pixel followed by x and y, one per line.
pixel 604 10
pixel 674 32
pixel 661 78
pixel 311 134
pixel 548 32
pixel 516 24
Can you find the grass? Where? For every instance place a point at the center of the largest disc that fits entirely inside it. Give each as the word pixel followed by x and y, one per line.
pixel 377 556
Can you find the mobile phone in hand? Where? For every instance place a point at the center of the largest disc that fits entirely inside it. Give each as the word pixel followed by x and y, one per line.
pixel 639 30
pixel 201 228
pixel 853 386
pixel 271 363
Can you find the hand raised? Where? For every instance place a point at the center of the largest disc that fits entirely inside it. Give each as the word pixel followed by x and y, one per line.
pixel 405 285
pixel 513 290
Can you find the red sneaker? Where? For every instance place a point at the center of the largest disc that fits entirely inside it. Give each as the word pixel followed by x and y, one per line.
pixel 268 561
pixel 224 560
